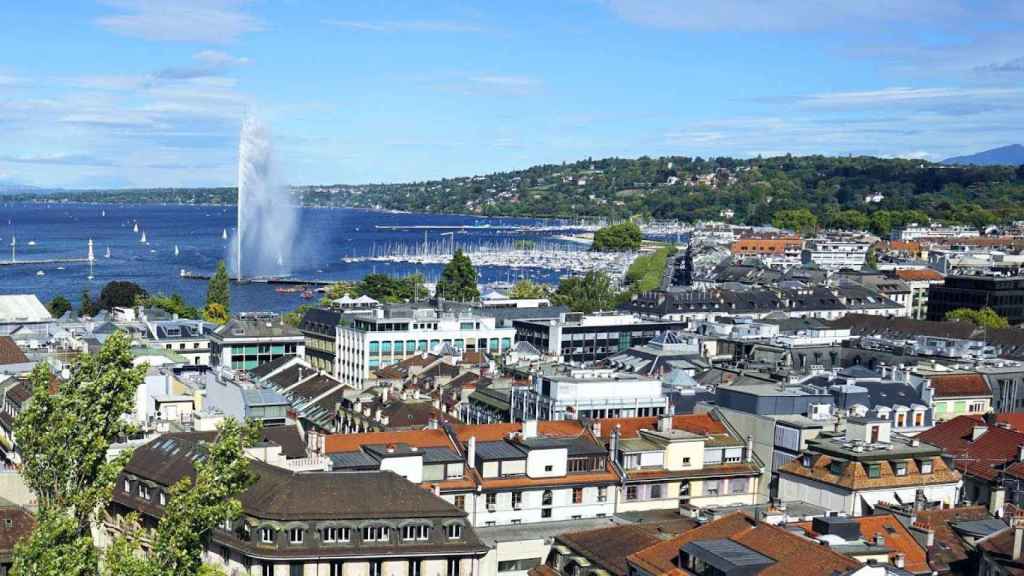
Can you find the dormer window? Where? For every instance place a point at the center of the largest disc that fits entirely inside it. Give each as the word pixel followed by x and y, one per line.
pixel 267 535
pixel 453 531
pixel 296 535
pixel 376 534
pixel 128 486
pixel 899 468
pixel 925 466
pixel 416 532
pixel 163 499
pixel 807 461
pixel 143 491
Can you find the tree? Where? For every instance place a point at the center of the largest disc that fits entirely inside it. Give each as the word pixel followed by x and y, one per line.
pixel 216 313
pixel 588 293
pixel 384 288
pixel 984 318
pixel 59 306
pixel 86 307
pixel 63 438
pixel 458 280
pixel 218 291
pixel 800 220
pixel 618 238
pixel 527 289
pixel 173 304
pixel 120 294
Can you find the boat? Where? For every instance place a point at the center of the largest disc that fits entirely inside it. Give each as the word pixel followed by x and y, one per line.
pixel 40 273
pixel 176 251
pixel 107 253
pixel 60 267
pixel 31 242
pixel 135 228
pixel 143 239
pixel 224 234
pixel 307 294
pixel 104 214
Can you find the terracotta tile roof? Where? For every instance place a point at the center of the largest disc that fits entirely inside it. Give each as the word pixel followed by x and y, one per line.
pixel 897 538
pixel 608 547
pixel 630 427
pixel 926 275
pixel 948 547
pixel 960 385
pixel 336 443
pixel 423 359
pixel 389 373
pixel 1000 547
pixel 474 357
pixel 22 523
pixel 10 353
pixel 495 432
pixel 855 477
pixel 1014 419
pixel 792 554
pixel 542 570
pixel 995 447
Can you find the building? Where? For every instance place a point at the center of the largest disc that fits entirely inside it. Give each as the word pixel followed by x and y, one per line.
pixel 1004 295
pixel 296 523
pixel 739 545
pixel 23 317
pixel 390 334
pixel 919 282
pixel 319 327
pixel 664 353
pixel 188 338
pixel 685 463
pixel 867 465
pixel 562 392
pixel 603 549
pixel 783 246
pixel 18 523
pixel 252 339
pixel 918 231
pixel 835 253
pixel 12 359
pixel 1002 553
pixel 576 337
pixel 881 539
pixel 959 394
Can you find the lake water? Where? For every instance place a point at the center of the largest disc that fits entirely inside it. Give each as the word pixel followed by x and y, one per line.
pixel 327 235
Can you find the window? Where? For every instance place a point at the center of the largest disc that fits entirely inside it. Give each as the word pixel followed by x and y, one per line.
pixel 376 534
pixel 632 493
pixel 656 491
pixel 738 486
pixel 925 466
pixel 460 502
pixel 492 501
pixel 376 567
pixel 453 567
pixel 577 495
pixel 517 500
pixel 336 568
pixel 521 565
pixel 549 468
pixel 267 535
pixel 453 531
pixel 602 493
pixel 414 568
pixel 128 486
pixel 295 535
pixel 874 470
pixel 416 532
pixel 712 487
pixel 686 462
pixel 163 499
pixel 143 491
pixel 295 569
pixel 836 467
pixel 899 468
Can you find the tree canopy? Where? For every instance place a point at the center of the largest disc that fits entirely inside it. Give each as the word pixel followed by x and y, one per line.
pixel 984 318
pixel 458 280
pixel 618 238
pixel 799 220
pixel 218 290
pixel 121 294
pixel 216 313
pixel 58 306
pixel 173 304
pixel 527 289
pixel 589 293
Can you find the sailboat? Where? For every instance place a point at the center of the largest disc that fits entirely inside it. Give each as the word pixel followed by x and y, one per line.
pixel 224 234
pixel 104 214
pixel 135 228
pixel 176 251
pixel 143 239
pixel 107 253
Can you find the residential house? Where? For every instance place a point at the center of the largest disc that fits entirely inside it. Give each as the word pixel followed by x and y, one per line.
pixel 877 539
pixel 18 523
pixel 959 394
pixel 561 392
pixel 919 281
pixel 251 339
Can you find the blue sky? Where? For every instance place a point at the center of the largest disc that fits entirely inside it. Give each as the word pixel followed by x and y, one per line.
pixel 125 93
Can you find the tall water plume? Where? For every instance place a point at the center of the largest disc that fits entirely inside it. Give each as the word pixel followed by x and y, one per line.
pixel 263 243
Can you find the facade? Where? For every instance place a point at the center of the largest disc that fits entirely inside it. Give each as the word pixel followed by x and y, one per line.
pixel 919 282
pixel 386 336
pixel 959 394
pixel 319 328
pixel 576 337
pixel 835 253
pixel 854 472
pixel 562 392
pixel 250 340
pixel 1005 295
pixel 190 339
pixel 308 523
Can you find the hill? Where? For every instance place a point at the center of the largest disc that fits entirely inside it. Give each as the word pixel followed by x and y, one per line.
pixel 1012 155
pixel 847 192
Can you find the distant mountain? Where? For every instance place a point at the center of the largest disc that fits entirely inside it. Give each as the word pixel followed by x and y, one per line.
pixel 1012 155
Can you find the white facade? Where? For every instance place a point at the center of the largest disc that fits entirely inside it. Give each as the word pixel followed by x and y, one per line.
pixel 798 489
pixel 568 393
pixel 831 254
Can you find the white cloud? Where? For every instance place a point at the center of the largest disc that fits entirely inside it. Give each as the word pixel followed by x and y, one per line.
pixel 404 25
pixel 506 81
pixel 903 94
pixel 219 59
pixel 214 21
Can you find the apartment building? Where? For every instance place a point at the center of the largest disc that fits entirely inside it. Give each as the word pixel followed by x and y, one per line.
pixel 959 394
pixel 576 337
pixel 188 338
pixel 919 282
pixel 319 327
pixel 835 253
pixel 853 472
pixel 361 523
pixel 387 335
pixel 252 339
pixel 563 392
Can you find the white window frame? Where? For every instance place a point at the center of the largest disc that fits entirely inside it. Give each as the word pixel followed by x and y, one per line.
pixel 296 535
pixel 266 535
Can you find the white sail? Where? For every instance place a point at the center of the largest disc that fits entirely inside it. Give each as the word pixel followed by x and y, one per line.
pixel 224 234
pixel 176 251
pixel 107 254
pixel 135 228
pixel 143 239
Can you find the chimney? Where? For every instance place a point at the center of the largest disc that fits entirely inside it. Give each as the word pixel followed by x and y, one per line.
pixel 977 431
pixel 996 501
pixel 750 448
pixel 899 560
pixel 471 452
pixel 1018 534
pixel 613 442
pixel 595 427
pixel 664 424
pixel 530 429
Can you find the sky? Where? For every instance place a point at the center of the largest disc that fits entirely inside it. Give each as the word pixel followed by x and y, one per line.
pixel 151 93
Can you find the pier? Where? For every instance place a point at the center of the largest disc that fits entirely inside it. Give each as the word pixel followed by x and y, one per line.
pixel 188 275
pixel 44 261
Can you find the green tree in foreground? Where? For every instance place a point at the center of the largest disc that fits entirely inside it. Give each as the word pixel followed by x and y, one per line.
pixel 58 306
pixel 618 238
pixel 218 291
pixel 458 280
pixel 588 293
pixel 985 318
pixel 801 221
pixel 528 289
pixel 216 314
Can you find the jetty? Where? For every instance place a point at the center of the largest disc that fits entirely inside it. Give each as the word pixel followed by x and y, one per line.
pixel 44 261
pixel 276 280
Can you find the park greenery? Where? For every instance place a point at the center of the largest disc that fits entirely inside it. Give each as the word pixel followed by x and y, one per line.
pixel 622 237
pixel 65 435
pixel 647 270
pixel 983 318
pixel 529 290
pixel 674 187
pixel 591 292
